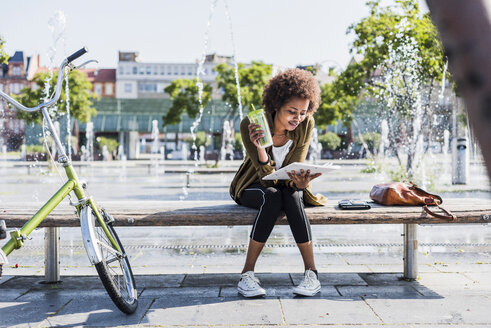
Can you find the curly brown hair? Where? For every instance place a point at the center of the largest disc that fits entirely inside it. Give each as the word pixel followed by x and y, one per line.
pixel 288 84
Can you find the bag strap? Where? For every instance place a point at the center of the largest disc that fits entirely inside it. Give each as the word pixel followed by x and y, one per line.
pixel 428 200
pixel 450 216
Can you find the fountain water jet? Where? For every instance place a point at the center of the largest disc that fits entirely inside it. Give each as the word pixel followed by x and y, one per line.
pixel 199 72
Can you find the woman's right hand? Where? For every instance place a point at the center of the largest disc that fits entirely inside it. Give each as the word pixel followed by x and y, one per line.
pixel 255 133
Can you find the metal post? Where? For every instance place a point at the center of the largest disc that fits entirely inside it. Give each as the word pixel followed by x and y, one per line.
pixel 410 251
pixel 51 255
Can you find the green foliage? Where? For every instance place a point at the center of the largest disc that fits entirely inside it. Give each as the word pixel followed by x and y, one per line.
pixel 372 167
pixel 111 144
pixel 237 141
pixel 3 55
pixel 329 141
pixel 185 98
pixel 373 37
pixel 372 139
pixel 312 70
pixel 335 105
pixel 35 149
pixel 202 139
pixel 374 34
pixel 399 174
pixel 252 81
pixel 81 106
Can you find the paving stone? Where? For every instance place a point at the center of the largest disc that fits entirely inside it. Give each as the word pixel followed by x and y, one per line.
pixel 344 268
pixel 169 269
pixel 327 311
pixel 473 289
pixel 483 278
pixel 159 281
pixel 392 292
pixel 67 283
pixel 214 311
pixel 11 294
pixel 202 292
pixel 333 279
pixel 423 268
pixel 457 257
pixel 25 271
pixel 368 258
pixel 5 278
pixel 447 279
pixel 228 279
pixel 328 258
pixel 31 308
pixel 382 268
pixel 281 291
pixel 273 279
pixel 211 280
pixel 94 310
pixel 384 279
pixel 447 310
pixel 468 267
pixel 221 268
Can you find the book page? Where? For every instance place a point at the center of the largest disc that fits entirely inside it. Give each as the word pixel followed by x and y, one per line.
pixel 281 174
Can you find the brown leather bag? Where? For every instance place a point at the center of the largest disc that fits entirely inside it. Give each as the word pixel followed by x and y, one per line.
pixel 399 193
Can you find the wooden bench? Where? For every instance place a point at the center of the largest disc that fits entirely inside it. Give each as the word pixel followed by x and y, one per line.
pixel 227 213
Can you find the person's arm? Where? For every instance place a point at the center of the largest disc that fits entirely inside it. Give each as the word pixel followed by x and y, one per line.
pixel 263 164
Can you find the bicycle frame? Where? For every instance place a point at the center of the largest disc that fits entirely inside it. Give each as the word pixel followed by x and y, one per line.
pixel 73 184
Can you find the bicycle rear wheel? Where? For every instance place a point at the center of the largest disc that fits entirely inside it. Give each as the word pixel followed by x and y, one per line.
pixel 114 268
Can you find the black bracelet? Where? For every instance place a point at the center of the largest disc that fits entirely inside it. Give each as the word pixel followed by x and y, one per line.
pixel 264 163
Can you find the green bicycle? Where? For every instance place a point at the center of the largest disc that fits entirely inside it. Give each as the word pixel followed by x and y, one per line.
pixel 101 241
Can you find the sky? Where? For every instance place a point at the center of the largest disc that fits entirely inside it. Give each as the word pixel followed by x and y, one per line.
pixel 282 32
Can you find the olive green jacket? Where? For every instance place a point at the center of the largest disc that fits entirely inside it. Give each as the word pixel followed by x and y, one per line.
pixel 251 171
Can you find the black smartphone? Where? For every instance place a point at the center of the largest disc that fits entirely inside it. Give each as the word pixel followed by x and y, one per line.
pixel 353 204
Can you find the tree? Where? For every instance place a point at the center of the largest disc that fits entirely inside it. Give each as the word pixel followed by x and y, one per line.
pixel 3 55
pixel 252 80
pixel 81 105
pixel 337 104
pixel 184 94
pixel 401 58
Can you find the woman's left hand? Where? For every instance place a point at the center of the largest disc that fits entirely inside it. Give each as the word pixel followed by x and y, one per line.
pixel 302 179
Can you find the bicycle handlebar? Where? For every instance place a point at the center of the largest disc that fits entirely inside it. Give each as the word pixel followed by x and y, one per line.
pixel 77 54
pixel 59 83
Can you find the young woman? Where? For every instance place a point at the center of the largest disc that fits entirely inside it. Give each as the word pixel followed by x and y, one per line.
pixel 290 100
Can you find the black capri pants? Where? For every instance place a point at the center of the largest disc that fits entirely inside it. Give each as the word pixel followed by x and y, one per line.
pixel 270 201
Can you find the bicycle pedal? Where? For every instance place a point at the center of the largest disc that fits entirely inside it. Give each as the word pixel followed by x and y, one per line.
pixel 3 229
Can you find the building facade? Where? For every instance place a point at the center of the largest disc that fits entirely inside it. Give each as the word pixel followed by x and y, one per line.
pixel 14 76
pixel 136 79
pixel 103 81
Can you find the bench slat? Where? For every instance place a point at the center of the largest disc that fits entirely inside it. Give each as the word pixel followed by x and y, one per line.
pixel 213 213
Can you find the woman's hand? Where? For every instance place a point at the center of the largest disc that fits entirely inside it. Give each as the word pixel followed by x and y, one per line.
pixel 255 133
pixel 302 179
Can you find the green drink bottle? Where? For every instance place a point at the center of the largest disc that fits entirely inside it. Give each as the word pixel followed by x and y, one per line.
pixel 257 116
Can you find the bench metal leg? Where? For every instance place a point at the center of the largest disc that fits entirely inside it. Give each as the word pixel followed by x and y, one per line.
pixel 410 251
pixel 51 255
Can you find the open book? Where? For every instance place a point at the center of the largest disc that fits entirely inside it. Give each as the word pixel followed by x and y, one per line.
pixel 297 166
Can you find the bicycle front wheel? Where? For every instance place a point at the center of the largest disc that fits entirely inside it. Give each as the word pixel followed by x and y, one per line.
pixel 113 265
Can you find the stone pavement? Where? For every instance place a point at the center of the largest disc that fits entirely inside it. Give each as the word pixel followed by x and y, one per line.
pixel 458 296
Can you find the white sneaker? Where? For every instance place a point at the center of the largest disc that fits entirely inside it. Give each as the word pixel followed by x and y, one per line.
pixel 309 286
pixel 249 285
